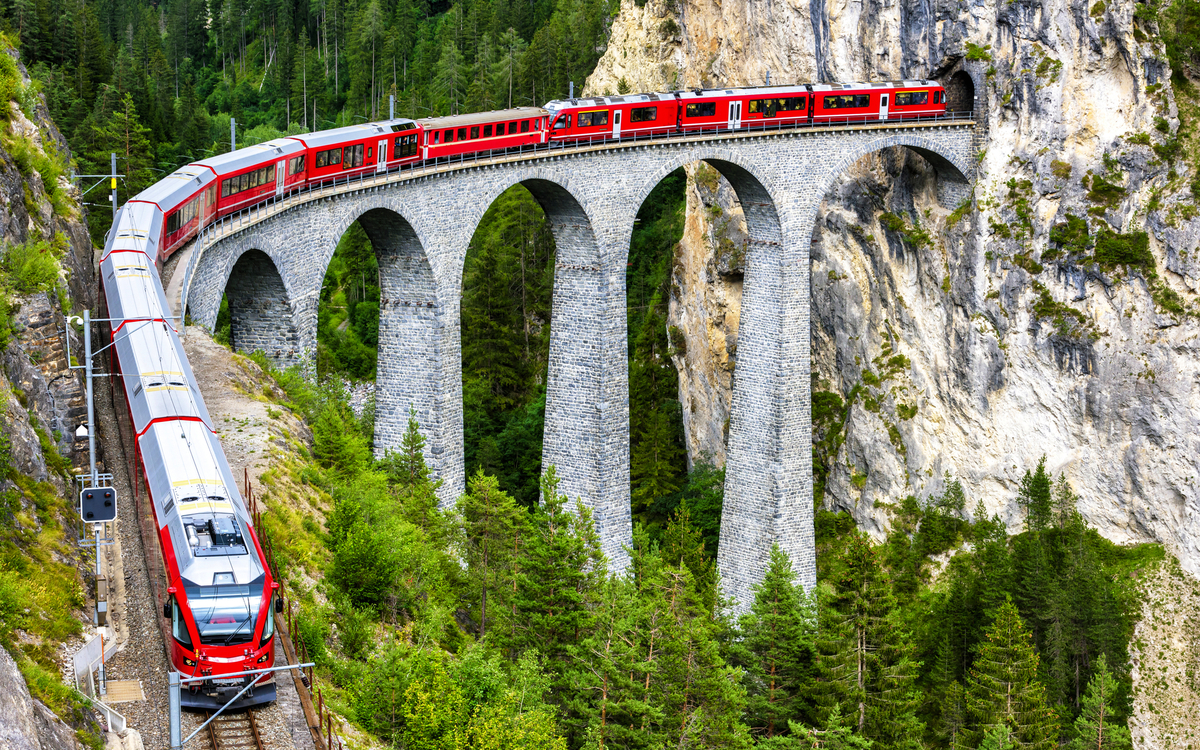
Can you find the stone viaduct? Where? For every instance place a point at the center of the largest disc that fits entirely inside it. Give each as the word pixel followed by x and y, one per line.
pixel 272 264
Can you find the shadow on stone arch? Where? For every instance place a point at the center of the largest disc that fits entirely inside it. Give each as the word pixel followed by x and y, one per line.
pixel 399 323
pixel 505 322
pixel 260 312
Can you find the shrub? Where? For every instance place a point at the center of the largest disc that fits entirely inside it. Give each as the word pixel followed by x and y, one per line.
pixel 977 53
pixel 1124 249
pixel 1098 9
pixel 33 266
pixel 1061 169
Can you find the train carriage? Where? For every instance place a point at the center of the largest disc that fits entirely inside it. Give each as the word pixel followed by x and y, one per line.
pixel 611 116
pixel 483 131
pixel 255 173
pixel 837 103
pixel 186 199
pixel 356 149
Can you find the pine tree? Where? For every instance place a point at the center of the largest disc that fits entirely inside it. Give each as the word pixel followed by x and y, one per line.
pixel 683 546
pixel 603 700
pixel 559 578
pixel 1094 728
pixel 1003 686
pixel 779 650
pixel 836 734
pixel 413 483
pixel 489 518
pixel 452 77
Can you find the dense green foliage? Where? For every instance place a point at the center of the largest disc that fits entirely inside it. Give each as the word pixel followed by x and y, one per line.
pixel 157 83
pixel 507 612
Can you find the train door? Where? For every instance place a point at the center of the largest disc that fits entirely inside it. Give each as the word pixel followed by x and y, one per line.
pixel 280 172
pixel 883 106
pixel 616 123
pixel 381 162
pixel 735 115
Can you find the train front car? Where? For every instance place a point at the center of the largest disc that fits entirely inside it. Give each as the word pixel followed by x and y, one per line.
pixel 220 608
pixel 220 587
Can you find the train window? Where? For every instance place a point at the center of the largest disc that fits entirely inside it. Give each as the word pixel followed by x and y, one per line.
pixel 512 128
pixel 462 134
pixel 910 98
pixel 179 629
pixel 352 157
pixel 847 101
pixel 702 109
pixel 173 222
pixel 643 114
pixel 563 121
pixel 524 126
pixel 487 131
pixel 474 132
pixel 371 152
pixel 322 159
pixel 593 119
pixel 500 129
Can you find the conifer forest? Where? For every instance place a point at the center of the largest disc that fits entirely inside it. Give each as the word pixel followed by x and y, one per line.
pixel 497 623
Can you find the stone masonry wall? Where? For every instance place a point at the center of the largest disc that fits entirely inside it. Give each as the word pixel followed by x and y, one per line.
pixel 421 227
pixel 260 316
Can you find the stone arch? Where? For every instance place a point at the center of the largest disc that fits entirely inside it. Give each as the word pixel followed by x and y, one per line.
pixel 960 92
pixel 586 422
pixel 950 167
pixel 410 345
pixel 764 498
pixel 260 309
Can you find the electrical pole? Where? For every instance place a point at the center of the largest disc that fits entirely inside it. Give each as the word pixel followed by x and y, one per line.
pixel 392 107
pixel 113 163
pixel 232 134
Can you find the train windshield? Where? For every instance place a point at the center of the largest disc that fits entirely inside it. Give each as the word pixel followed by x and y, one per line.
pixel 224 614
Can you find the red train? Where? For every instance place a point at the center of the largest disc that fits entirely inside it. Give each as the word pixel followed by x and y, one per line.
pixel 200 192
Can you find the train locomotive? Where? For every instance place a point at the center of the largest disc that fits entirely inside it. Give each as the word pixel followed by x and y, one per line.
pixel 222 595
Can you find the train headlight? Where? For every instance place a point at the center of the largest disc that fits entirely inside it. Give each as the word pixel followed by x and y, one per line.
pixel 266 655
pixel 188 662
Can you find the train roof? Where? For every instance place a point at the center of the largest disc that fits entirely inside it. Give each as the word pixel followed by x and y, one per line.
pixel 251 156
pixel 845 86
pixel 176 187
pixel 158 381
pixel 480 118
pixel 133 287
pixel 137 228
pixel 354 132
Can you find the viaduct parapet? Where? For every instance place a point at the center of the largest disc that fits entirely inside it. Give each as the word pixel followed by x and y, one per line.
pixel 272 264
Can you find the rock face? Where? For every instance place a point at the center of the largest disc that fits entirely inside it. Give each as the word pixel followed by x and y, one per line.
pixel 966 341
pixel 26 723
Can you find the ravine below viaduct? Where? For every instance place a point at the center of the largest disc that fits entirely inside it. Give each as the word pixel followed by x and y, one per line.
pixel 271 263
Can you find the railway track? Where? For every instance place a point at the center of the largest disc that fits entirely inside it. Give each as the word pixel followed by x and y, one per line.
pixel 234 731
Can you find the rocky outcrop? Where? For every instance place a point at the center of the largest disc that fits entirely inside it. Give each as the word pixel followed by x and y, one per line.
pixel 25 722
pixel 963 338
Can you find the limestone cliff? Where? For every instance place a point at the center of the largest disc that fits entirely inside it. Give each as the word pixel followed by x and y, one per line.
pixel 1034 319
pixel 976 344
